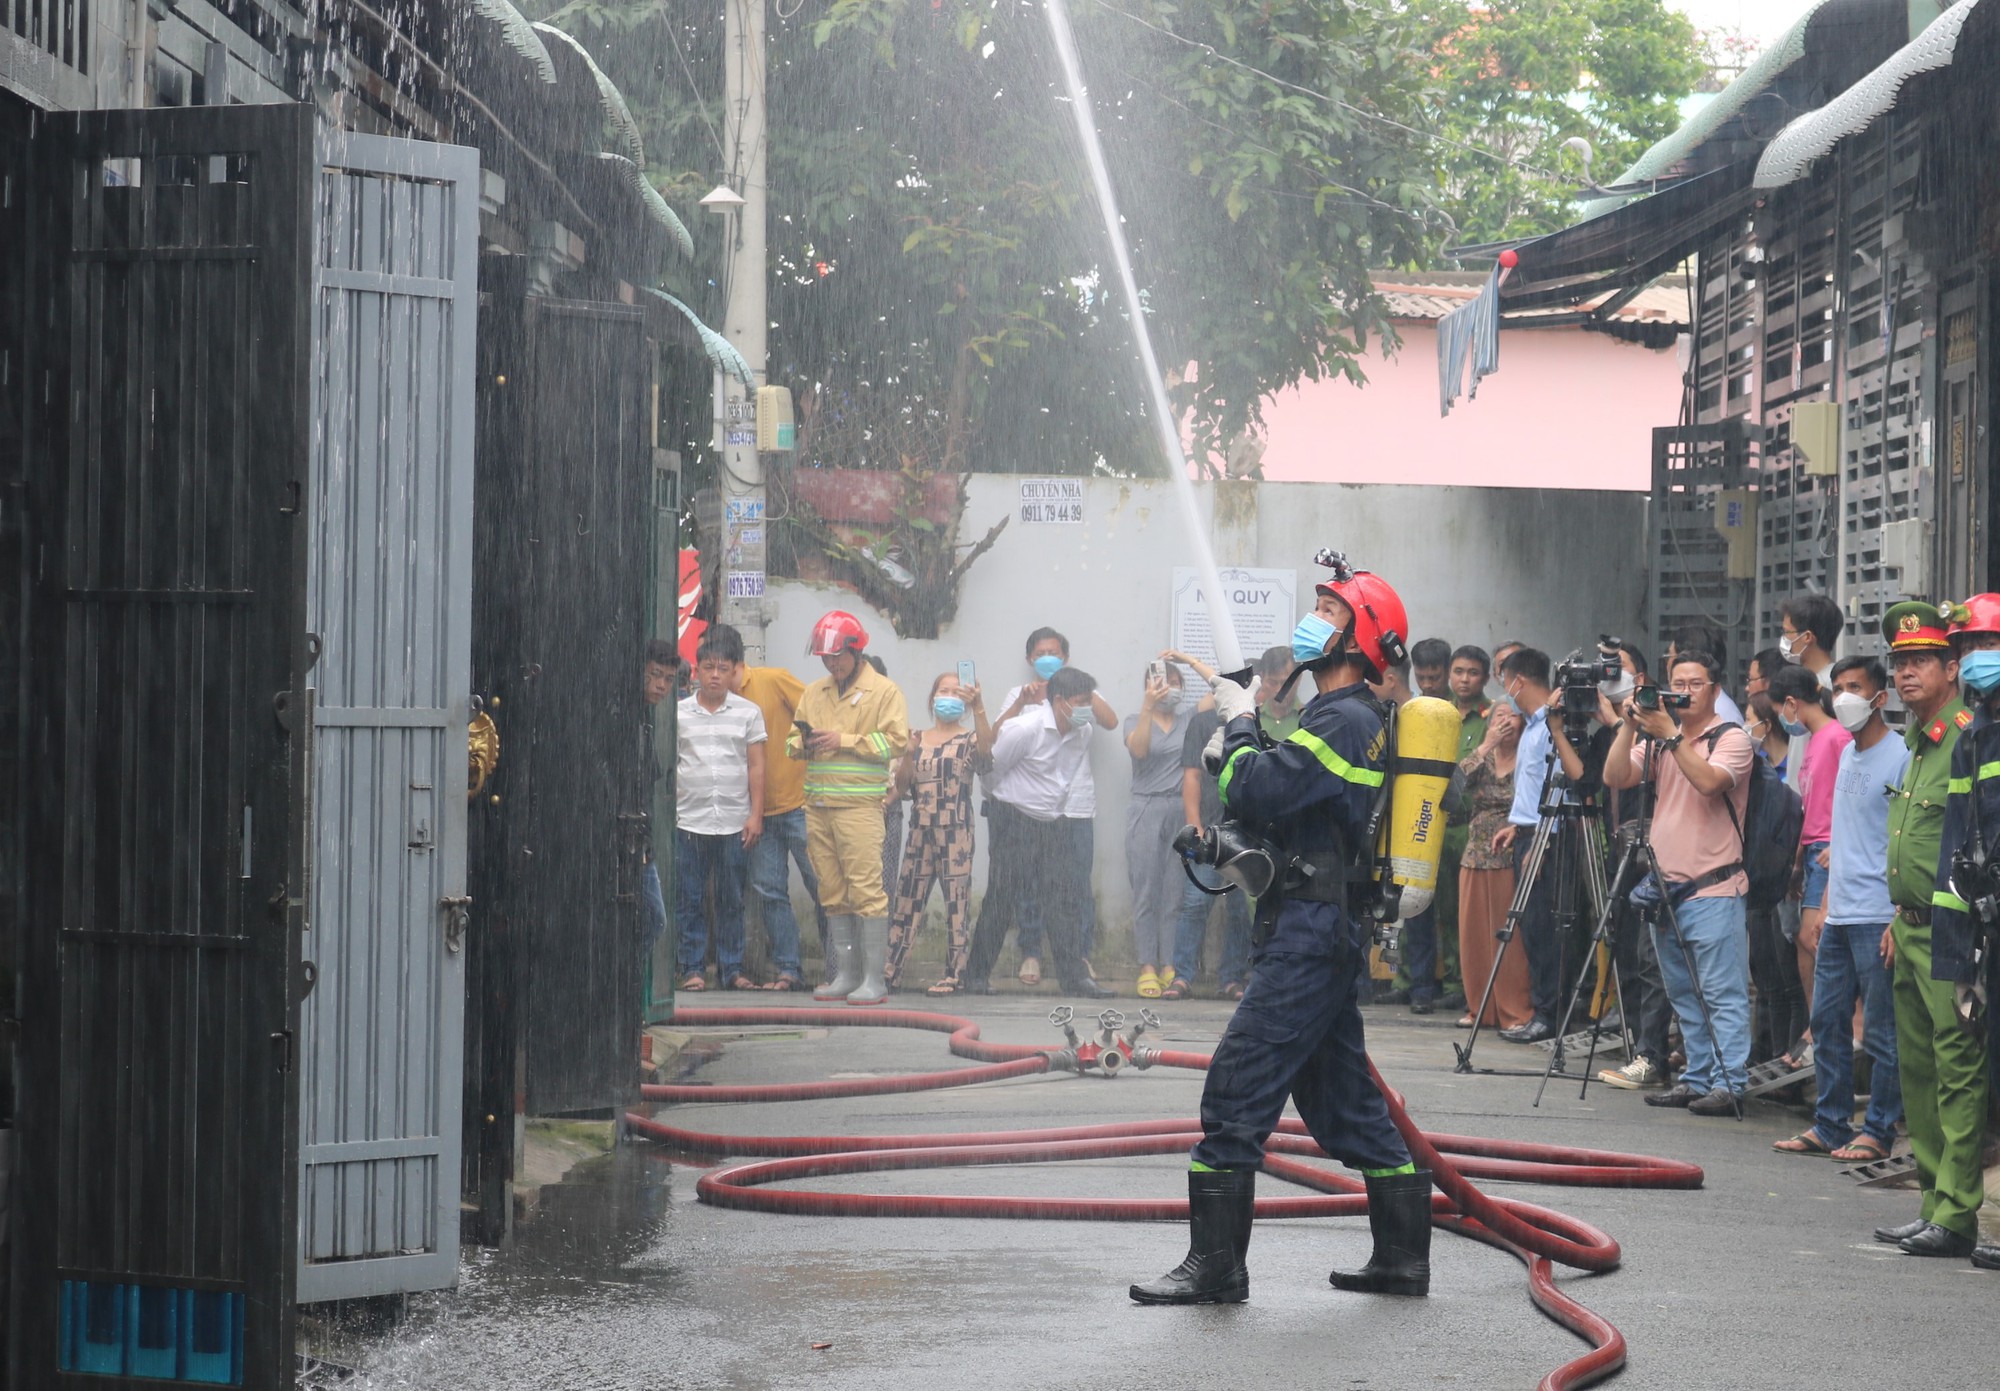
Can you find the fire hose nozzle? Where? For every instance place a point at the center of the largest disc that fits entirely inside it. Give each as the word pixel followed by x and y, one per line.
pixel 1111 1060
pixel 1143 1058
pixel 1064 1061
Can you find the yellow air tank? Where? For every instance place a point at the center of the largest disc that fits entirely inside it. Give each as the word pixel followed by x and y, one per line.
pixel 1427 732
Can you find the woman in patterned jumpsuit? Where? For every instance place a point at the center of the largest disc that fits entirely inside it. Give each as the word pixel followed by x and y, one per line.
pixel 937 773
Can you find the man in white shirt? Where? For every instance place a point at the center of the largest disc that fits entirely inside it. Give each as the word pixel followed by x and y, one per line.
pixel 1042 822
pixel 719 810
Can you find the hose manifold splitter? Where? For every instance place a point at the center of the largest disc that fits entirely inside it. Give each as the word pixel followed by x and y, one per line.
pixel 1109 1054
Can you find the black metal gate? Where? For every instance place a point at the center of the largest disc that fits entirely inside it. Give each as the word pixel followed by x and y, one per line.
pixel 163 755
pixel 562 524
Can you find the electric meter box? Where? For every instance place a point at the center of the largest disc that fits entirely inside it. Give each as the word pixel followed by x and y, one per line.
pixel 775 427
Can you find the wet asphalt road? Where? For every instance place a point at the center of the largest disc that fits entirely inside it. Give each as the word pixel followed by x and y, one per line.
pixel 1767 1277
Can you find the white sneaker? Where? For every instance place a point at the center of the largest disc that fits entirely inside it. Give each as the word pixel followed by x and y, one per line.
pixel 1637 1074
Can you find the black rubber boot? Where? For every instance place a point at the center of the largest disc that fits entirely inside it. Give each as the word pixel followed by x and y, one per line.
pixel 1399 1217
pixel 1219 1206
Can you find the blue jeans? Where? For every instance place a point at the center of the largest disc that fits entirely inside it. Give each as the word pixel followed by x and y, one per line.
pixel 1849 965
pixel 783 844
pixel 705 863
pixel 1720 945
pixel 1192 926
pixel 656 907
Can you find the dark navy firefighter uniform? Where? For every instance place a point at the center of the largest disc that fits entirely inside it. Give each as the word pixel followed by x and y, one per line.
pixel 1297 1031
pixel 1975 773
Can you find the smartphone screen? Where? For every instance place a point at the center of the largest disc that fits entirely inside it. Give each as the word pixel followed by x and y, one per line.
pixel 967 675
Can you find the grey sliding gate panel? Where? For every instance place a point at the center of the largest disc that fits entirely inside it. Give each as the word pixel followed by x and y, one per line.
pixel 1890 301
pixel 390 604
pixel 164 757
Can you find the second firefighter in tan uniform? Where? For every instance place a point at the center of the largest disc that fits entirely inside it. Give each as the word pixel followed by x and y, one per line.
pixel 849 727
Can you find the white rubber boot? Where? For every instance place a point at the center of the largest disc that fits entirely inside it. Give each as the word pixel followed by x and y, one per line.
pixel 874 938
pixel 840 936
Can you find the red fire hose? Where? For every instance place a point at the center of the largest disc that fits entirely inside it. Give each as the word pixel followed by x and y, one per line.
pixel 1535 1235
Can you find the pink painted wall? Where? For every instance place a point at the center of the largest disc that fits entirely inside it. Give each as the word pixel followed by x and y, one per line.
pixel 1567 409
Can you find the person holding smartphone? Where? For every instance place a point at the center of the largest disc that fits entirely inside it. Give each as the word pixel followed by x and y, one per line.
pixel 1153 738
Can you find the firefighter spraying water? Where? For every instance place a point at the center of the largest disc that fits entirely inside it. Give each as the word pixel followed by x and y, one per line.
pixel 1330 838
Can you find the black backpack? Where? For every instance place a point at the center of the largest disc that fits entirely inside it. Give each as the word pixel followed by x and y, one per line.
pixel 1772 819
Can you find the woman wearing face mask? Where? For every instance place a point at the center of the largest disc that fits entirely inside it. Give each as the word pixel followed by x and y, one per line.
pixel 937 774
pixel 1804 710
pixel 1153 738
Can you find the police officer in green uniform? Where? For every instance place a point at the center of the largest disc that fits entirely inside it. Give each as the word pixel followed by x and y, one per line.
pixel 1943 1074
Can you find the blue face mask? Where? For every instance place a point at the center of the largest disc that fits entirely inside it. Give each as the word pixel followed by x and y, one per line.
pixel 1310 638
pixel 1082 717
pixel 948 708
pixel 1047 665
pixel 1792 727
pixel 1980 670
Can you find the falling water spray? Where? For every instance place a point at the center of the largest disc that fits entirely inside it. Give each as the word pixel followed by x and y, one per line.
pixel 1228 655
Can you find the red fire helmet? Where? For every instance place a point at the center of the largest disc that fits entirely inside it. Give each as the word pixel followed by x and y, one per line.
pixel 1381 624
pixel 837 632
pixel 1978 614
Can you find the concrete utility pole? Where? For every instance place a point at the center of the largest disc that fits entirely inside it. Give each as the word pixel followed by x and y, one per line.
pixel 744 323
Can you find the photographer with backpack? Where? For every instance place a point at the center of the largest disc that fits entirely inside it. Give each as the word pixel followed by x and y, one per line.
pixel 1701 772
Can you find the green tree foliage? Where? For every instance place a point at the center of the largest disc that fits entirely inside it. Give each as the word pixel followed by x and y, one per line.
pixel 938 273
pixel 1516 78
pixel 933 247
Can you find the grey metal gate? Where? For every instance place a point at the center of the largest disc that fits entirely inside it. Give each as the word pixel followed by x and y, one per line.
pixel 164 748
pixel 390 609
pixel 1701 473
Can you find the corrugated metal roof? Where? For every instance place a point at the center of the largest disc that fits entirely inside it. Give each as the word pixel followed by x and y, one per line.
pixel 1434 294
pixel 1792 152
pixel 1753 80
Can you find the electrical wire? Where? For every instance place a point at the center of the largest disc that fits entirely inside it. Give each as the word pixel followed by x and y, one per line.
pixel 694 88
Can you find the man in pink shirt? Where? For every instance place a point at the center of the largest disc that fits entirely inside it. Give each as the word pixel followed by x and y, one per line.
pixel 1802 708
pixel 1700 769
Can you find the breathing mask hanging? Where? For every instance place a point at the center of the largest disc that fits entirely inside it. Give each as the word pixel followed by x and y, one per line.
pixel 1243 860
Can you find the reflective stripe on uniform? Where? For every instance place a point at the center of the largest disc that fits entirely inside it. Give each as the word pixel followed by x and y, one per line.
pixel 1333 762
pixel 1957 785
pixel 1945 899
pixel 1988 770
pixel 1228 772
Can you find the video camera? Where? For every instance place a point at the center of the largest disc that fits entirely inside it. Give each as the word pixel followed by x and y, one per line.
pixel 1578 678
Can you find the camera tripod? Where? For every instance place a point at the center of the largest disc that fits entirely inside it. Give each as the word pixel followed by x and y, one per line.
pixel 1632 856
pixel 1561 844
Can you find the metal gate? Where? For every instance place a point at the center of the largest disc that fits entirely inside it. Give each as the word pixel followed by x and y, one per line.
pixel 1886 364
pixel 164 748
pixel 1701 473
pixel 390 610
pixel 559 636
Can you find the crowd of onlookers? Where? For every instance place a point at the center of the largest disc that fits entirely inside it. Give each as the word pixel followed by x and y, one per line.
pixel 1775 905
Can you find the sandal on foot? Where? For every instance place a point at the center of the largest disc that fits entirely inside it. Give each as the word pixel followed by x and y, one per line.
pixel 1862 1149
pixel 1807 1141
pixel 739 981
pixel 1031 970
pixel 1149 984
pixel 695 981
pixel 786 981
pixel 1177 989
pixel 950 985
pixel 1232 991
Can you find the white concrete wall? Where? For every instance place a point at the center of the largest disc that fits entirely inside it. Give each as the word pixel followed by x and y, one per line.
pixel 1553 568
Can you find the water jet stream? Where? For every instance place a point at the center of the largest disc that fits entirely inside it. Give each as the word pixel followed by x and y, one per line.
pixel 1229 655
